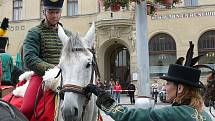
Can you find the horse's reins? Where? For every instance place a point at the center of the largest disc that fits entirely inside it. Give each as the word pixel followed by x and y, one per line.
pixel 79 89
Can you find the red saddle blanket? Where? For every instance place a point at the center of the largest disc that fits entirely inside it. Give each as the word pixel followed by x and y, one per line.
pixel 12 99
pixel 45 108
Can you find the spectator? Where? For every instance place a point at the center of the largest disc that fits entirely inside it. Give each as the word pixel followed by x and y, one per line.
pixel 99 84
pixel 6 59
pixel 117 90
pixel 106 85
pixel 7 68
pixel 112 84
pixel 162 93
pixel 131 89
pixel 154 88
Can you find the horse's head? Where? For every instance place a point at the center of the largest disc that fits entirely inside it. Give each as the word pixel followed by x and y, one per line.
pixel 76 65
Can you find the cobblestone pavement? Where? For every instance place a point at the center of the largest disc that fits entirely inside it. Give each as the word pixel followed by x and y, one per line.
pixel 126 102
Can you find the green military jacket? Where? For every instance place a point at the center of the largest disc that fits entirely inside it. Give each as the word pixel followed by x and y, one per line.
pixel 42 48
pixel 7 66
pixel 169 113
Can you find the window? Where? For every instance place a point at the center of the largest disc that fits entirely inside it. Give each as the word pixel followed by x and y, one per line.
pixel 17 9
pixel 72 7
pixel 191 2
pixel 41 9
pixel 206 47
pixel 162 52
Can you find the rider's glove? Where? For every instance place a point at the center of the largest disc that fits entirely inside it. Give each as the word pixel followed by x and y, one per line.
pixel 91 88
pixel 104 99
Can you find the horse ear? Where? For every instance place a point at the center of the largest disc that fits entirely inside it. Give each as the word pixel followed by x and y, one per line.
pixel 90 36
pixel 63 37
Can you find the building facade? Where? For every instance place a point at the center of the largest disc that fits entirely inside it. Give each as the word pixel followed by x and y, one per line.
pixel 169 33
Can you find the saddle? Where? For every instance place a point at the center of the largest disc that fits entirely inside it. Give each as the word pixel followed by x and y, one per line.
pixel 10 112
pixel 43 111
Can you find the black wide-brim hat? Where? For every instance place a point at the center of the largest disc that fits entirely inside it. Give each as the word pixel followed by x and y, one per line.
pixel 3 43
pixel 183 75
pixel 53 4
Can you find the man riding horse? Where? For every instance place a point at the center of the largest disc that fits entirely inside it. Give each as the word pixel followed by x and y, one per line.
pixel 42 49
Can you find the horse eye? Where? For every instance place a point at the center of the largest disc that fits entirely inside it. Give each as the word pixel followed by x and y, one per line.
pixel 88 64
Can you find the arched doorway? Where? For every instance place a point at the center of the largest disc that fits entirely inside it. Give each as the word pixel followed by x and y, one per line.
pixel 120 64
pixel 206 47
pixel 162 52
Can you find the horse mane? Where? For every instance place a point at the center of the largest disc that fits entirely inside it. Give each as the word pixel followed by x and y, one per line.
pixel 74 46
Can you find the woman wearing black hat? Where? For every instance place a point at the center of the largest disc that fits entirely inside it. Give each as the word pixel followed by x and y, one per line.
pixel 183 91
pixel 42 48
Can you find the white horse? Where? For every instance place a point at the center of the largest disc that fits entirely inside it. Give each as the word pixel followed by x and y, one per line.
pixel 77 71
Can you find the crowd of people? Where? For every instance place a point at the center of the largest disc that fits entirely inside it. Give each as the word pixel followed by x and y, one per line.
pixel 115 89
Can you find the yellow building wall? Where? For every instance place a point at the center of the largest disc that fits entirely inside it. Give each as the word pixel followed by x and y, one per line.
pixel 87 6
pixel 206 2
pixel 31 9
pixel 16 34
pixel 5 9
pixel 18 30
pixel 181 29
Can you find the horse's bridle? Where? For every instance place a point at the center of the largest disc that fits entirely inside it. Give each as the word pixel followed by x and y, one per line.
pixel 211 102
pixel 76 88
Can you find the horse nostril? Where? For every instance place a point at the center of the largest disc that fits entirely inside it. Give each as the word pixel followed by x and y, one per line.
pixel 67 113
pixel 76 111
